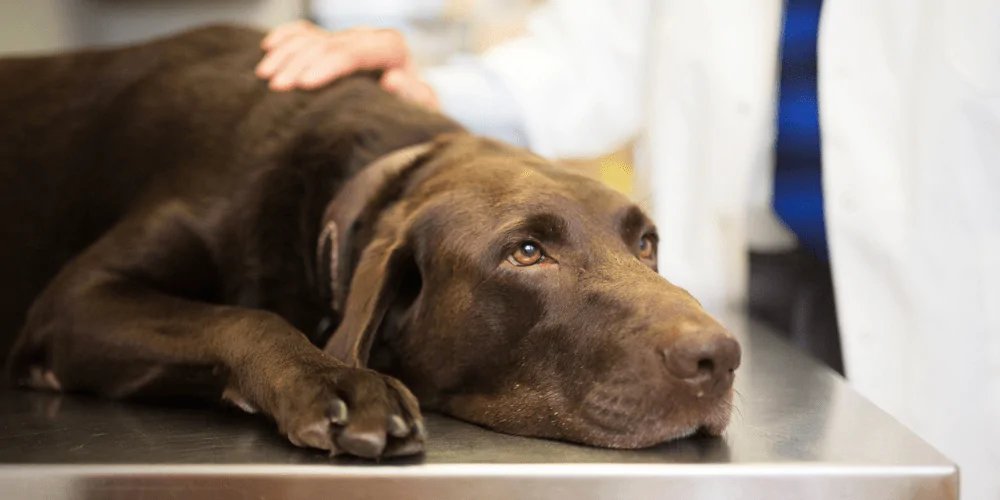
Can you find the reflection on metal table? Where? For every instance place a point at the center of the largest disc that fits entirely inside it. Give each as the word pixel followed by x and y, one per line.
pixel 799 432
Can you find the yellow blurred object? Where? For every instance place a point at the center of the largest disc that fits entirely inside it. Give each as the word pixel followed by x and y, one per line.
pixel 616 172
pixel 615 169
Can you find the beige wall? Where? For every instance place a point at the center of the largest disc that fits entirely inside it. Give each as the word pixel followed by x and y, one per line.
pixel 47 25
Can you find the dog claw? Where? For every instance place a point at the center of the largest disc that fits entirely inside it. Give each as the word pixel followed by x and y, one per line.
pixel 419 431
pixel 362 444
pixel 398 427
pixel 404 448
pixel 313 436
pixel 338 412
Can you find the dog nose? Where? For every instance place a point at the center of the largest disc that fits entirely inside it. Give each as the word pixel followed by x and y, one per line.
pixel 706 358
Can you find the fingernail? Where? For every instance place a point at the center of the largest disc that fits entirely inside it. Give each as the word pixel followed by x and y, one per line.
pixel 392 81
pixel 280 83
pixel 338 412
pixel 397 427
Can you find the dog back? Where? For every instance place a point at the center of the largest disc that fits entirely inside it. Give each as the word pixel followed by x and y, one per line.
pixel 71 158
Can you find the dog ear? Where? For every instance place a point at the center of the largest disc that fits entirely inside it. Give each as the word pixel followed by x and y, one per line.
pixel 373 289
pixel 349 220
pixel 367 192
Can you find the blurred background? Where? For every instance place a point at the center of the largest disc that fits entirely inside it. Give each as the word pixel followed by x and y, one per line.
pixel 791 290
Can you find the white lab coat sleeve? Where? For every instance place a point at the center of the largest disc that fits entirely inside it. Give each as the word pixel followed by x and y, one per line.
pixel 576 75
pixel 477 98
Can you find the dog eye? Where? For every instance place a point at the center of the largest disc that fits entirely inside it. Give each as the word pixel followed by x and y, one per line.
pixel 527 254
pixel 646 247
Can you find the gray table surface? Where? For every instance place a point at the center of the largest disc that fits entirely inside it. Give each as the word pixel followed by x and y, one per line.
pixel 800 432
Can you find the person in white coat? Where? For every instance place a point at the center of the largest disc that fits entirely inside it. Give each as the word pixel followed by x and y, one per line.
pixel 909 96
pixel 910 114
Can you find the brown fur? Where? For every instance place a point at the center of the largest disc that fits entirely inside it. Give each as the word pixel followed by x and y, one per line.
pixel 174 229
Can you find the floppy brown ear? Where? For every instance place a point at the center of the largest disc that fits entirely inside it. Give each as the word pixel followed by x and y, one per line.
pixel 373 289
pixel 338 246
pixel 360 298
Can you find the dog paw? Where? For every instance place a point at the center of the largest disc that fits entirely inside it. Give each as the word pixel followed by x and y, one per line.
pixel 352 411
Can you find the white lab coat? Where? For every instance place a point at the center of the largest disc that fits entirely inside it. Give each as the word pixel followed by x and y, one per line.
pixel 910 116
pixel 909 96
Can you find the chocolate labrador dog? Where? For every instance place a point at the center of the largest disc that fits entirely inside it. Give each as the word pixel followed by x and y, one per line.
pixel 173 229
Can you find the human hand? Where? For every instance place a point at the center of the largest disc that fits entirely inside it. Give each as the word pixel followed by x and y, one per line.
pixel 301 55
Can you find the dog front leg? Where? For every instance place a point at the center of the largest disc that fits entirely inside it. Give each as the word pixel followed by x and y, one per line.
pixel 79 335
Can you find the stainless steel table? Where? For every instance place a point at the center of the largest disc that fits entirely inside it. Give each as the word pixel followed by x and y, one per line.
pixel 800 433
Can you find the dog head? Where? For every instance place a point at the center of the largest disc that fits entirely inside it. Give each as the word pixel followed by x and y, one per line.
pixel 513 293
